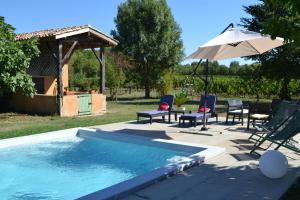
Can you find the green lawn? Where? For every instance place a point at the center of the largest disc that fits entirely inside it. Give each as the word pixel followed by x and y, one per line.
pixel 13 125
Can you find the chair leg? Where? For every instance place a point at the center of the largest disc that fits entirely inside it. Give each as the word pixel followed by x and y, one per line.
pixel 233 118
pixel 217 119
pixel 164 118
pixel 226 119
pixel 248 123
pixel 242 120
pixel 150 119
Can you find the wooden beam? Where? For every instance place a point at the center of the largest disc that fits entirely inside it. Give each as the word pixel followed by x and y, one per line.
pixel 67 56
pixel 102 70
pixel 98 57
pixel 59 97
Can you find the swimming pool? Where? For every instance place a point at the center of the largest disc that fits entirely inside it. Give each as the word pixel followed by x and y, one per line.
pixel 89 164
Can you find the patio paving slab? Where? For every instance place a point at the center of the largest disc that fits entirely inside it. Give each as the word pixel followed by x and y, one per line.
pixel 231 175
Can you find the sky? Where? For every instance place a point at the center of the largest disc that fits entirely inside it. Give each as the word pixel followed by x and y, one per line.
pixel 200 20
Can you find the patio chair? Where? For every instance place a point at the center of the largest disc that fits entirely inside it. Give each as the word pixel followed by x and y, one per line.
pixel 278 116
pixel 236 108
pixel 193 117
pixel 282 136
pixel 258 112
pixel 168 99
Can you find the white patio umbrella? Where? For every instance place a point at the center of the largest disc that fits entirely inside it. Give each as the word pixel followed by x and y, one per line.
pixel 235 42
pixel 231 43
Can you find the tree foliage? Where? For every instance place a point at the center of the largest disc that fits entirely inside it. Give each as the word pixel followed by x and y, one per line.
pixel 84 71
pixel 150 37
pixel 15 57
pixel 285 24
pixel 283 63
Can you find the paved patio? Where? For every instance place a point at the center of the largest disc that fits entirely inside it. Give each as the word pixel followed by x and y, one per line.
pixel 231 175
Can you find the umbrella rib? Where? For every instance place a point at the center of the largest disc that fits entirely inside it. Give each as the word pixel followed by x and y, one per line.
pixel 253 47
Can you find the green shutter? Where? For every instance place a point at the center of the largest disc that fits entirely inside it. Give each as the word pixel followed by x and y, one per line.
pixel 84 104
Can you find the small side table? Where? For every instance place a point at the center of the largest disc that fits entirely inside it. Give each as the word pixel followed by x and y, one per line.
pixel 176 112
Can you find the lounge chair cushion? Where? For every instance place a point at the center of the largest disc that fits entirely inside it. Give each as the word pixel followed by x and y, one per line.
pixel 153 112
pixel 238 111
pixel 164 106
pixel 259 116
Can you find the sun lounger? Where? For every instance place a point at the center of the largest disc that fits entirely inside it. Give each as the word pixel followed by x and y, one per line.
pixel 199 116
pixel 168 99
pixel 282 136
pixel 193 118
pixel 279 115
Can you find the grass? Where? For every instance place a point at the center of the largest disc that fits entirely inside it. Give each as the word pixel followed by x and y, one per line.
pixel 13 125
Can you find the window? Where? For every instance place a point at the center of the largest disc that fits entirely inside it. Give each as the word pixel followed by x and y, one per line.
pixel 39 84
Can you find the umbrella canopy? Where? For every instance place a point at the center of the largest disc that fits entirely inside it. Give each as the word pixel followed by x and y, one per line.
pixel 235 42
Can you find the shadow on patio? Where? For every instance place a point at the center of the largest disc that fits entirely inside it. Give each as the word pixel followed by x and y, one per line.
pixel 209 181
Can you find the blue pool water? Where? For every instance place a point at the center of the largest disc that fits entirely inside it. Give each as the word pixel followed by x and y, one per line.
pixel 74 167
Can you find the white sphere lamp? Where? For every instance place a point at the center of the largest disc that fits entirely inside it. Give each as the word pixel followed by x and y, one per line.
pixel 273 164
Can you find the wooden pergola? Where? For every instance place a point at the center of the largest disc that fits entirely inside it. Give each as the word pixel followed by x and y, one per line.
pixel 61 43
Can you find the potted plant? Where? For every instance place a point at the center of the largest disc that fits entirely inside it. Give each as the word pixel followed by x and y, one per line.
pixel 180 99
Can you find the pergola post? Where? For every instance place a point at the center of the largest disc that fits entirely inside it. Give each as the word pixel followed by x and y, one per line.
pixel 102 70
pixel 59 97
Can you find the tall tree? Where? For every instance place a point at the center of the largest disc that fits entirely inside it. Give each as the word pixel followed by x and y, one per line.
pixel 284 24
pixel 281 64
pixel 15 57
pixel 150 37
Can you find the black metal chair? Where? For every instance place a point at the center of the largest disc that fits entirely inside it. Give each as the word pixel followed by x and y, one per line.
pixel 236 108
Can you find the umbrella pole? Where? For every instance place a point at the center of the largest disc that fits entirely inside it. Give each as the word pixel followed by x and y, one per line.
pixel 204 128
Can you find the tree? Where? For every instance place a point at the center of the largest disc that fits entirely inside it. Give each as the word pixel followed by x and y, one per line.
pixel 284 24
pixel 150 37
pixel 15 57
pixel 282 63
pixel 234 67
pixel 117 64
pixel 84 70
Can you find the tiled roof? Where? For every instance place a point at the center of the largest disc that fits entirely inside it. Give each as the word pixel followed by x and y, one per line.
pixel 59 31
